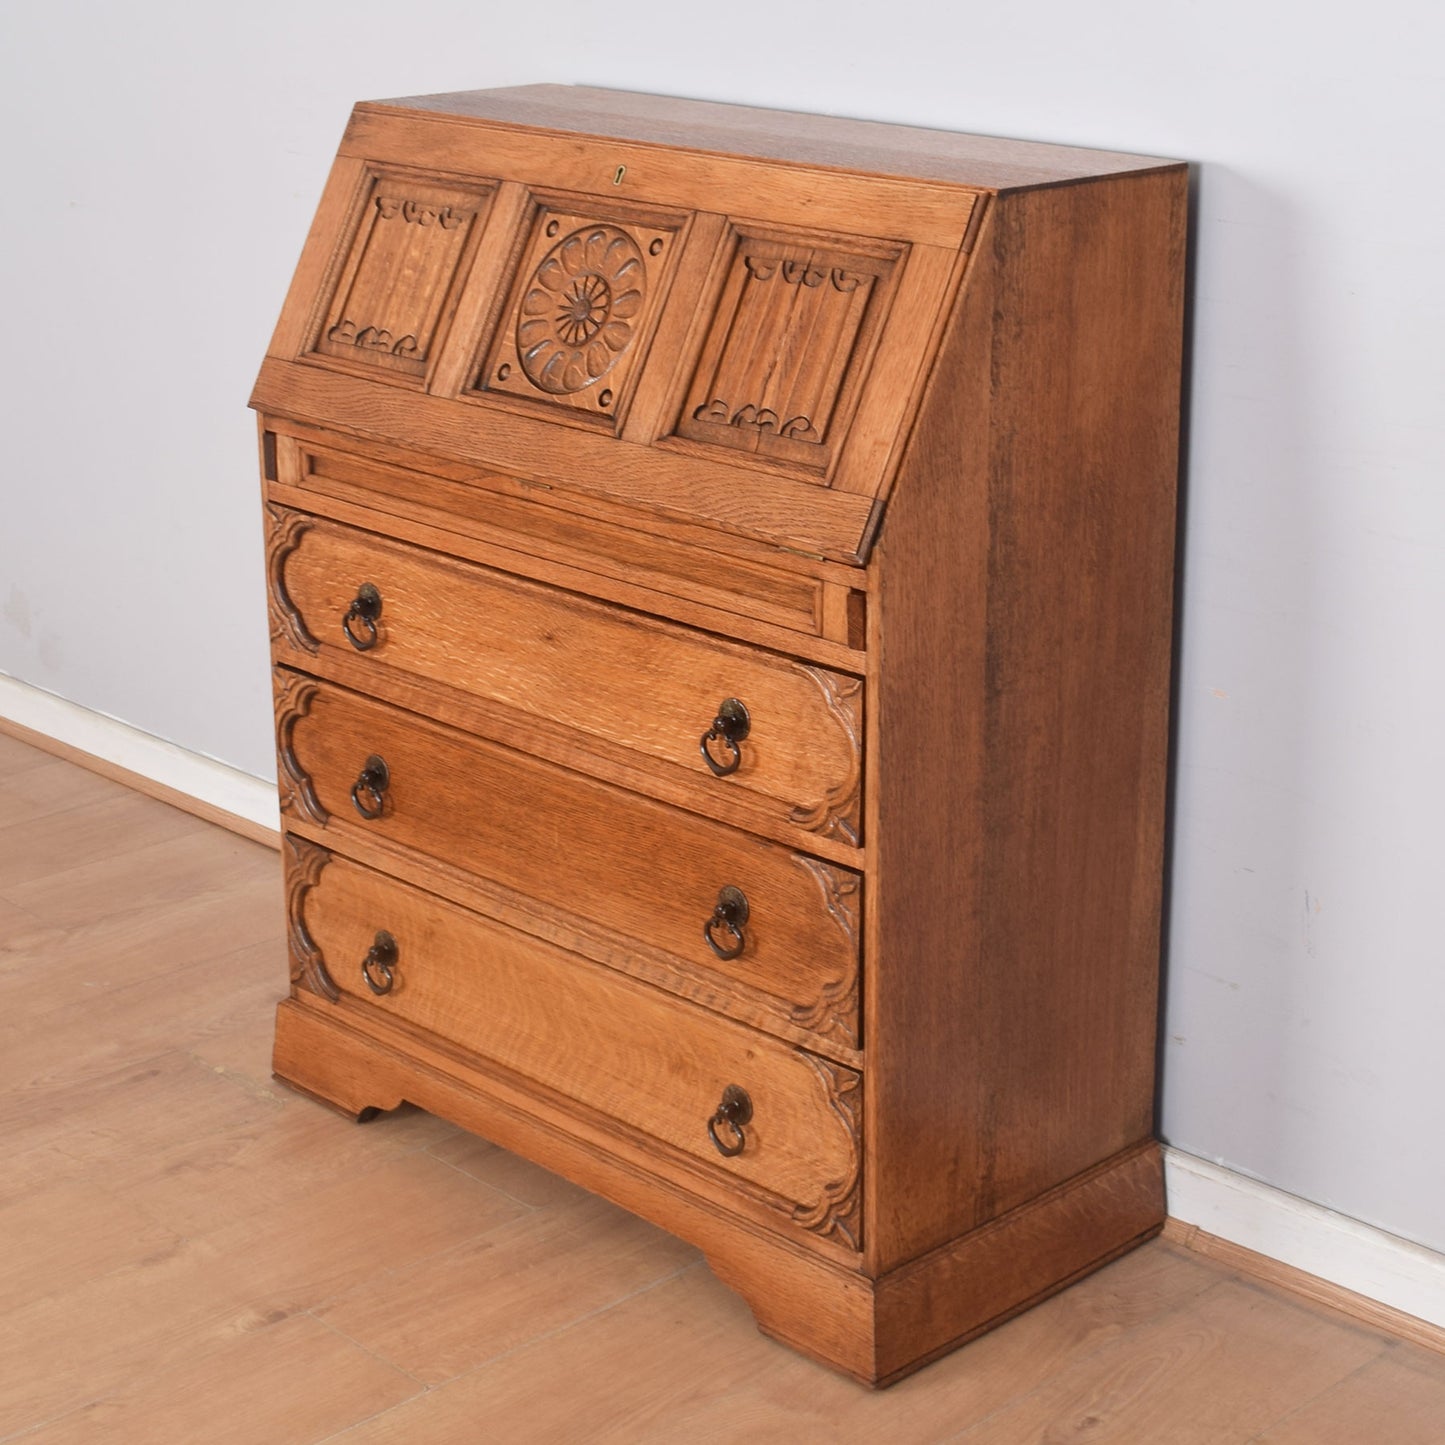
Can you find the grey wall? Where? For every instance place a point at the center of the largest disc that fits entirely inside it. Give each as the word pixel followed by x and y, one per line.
pixel 162 167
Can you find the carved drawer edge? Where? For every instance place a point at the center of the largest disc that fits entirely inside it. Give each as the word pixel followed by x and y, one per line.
pixel 284 530
pixel 294 696
pixel 834 1014
pixel 304 862
pixel 835 815
pixel 840 1209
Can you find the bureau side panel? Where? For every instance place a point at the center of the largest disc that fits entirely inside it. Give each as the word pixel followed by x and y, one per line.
pixel 1022 638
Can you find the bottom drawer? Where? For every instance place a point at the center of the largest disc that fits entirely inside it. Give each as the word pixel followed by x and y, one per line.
pixel 653 1063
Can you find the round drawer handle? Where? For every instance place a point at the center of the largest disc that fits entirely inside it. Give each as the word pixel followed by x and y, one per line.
pixel 379 965
pixel 735 1111
pixel 365 609
pixel 730 914
pixel 368 792
pixel 729 727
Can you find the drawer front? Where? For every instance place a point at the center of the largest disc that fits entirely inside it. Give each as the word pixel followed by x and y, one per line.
pixel 645 873
pixel 637 687
pixel 656 1065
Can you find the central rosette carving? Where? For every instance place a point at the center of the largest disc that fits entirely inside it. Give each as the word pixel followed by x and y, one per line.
pixel 578 311
pixel 584 308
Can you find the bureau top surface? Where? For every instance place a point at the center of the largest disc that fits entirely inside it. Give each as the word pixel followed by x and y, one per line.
pixel 989 163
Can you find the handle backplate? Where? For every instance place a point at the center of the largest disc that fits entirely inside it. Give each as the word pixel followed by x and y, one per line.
pixel 731 725
pixel 727 918
pixel 727 1127
pixel 359 623
pixel 368 792
pixel 378 968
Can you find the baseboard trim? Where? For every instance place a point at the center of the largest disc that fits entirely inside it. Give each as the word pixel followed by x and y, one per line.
pixel 199 785
pixel 1367 1273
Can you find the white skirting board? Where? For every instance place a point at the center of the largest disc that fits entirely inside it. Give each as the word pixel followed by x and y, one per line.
pixel 1358 1257
pixel 1218 1200
pixel 223 787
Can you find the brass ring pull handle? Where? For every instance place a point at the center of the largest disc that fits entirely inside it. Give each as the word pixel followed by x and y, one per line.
pixel 729 915
pixel 729 728
pixel 368 792
pixel 733 1113
pixel 365 609
pixel 378 968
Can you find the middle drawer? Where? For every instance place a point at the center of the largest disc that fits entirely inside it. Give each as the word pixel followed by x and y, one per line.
pixel 744 925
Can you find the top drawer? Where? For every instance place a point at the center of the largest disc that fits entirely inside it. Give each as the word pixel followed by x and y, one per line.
pixel 689 708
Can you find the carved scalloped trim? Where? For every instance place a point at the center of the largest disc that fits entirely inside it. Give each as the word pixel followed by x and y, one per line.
pixel 298 793
pixel 284 530
pixel 840 1210
pixel 835 1013
pixel 304 862
pixel 836 815
pixel 764 419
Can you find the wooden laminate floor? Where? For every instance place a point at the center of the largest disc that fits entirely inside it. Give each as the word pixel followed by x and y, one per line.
pixel 191 1253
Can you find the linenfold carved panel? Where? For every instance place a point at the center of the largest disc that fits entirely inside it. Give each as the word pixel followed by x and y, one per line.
pixel 400 270
pixel 791 337
pixel 581 310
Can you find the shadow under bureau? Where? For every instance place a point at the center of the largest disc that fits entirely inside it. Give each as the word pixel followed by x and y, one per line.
pixel 720 566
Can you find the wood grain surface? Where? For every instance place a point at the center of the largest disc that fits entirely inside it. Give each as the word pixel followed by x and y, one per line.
pixel 852 203
pixel 752 503
pixel 1019 648
pixel 870 146
pixel 636 685
pixel 640 870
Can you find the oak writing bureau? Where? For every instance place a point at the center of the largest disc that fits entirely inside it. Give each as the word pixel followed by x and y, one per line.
pixel 720 566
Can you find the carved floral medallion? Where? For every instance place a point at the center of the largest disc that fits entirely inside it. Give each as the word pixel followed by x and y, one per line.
pixel 578 311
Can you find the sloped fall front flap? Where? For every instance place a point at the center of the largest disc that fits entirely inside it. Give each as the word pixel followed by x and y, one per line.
pixel 623 320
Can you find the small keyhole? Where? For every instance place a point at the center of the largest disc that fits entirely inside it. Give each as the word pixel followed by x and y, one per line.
pixel 617 179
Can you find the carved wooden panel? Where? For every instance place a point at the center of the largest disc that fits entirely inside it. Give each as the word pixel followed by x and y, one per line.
pixel 284 530
pixel 294 695
pixel 834 1013
pixel 400 271
pixel 581 311
pixel 838 1212
pixel 304 862
pixel 782 361
pixel 837 813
